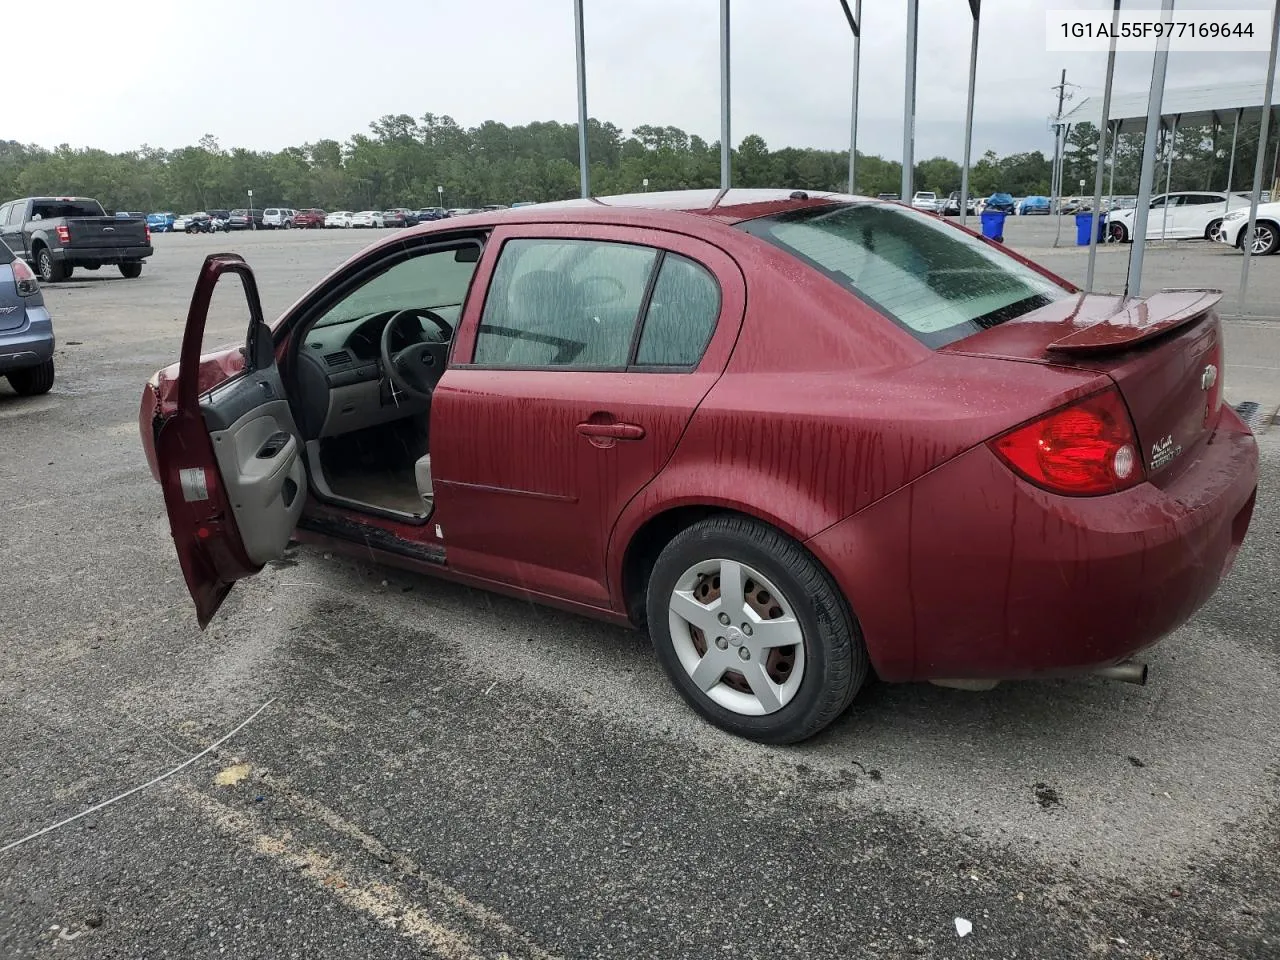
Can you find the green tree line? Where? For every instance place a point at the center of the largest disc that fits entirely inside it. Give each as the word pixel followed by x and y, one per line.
pixel 402 160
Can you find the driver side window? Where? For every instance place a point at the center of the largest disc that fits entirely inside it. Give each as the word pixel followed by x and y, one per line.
pixel 436 280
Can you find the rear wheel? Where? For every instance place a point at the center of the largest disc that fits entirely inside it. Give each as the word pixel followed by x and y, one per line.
pixel 1213 230
pixel 752 631
pixel 50 270
pixel 1118 233
pixel 131 270
pixel 33 380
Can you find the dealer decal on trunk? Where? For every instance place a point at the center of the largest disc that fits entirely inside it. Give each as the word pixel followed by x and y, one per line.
pixel 1163 452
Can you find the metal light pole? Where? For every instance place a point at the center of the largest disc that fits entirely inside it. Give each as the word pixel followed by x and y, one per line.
pixel 975 7
pixel 726 151
pixel 1158 70
pixel 855 25
pixel 1104 127
pixel 1171 141
pixel 1231 164
pixel 1260 160
pixel 584 171
pixel 909 104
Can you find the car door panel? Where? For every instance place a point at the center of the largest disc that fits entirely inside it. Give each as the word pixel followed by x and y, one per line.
pixel 535 499
pixel 228 460
pixel 533 467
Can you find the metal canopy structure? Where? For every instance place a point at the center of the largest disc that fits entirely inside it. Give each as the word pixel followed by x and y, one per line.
pixel 1192 106
pixel 1163 110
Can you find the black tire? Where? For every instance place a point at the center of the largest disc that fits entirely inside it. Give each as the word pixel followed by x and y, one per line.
pixel 49 269
pixel 33 380
pixel 131 270
pixel 1117 233
pixel 836 663
pixel 1266 238
pixel 1211 231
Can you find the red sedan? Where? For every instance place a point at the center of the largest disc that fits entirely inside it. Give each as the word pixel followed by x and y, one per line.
pixel 797 436
pixel 312 218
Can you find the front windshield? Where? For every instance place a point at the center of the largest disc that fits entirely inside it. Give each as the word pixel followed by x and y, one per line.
pixel 436 281
pixel 937 282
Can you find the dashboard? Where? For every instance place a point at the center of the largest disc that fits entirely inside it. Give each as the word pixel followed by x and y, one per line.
pixel 341 385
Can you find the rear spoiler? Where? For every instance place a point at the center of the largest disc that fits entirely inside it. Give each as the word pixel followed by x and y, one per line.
pixel 1139 320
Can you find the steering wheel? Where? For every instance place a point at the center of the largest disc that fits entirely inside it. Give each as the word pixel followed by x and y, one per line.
pixel 417 368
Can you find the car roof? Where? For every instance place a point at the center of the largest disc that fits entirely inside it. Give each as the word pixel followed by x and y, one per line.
pixel 676 209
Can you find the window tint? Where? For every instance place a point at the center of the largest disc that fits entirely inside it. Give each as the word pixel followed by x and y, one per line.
pixel 563 303
pixel 938 283
pixel 436 280
pixel 682 315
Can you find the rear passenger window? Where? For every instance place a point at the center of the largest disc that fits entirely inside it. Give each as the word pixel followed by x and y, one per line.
pixel 682 315
pixel 563 303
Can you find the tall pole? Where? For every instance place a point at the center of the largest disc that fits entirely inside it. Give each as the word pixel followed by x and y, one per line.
pixel 1231 164
pixel 909 105
pixel 1059 149
pixel 1111 177
pixel 975 7
pixel 1156 100
pixel 1171 142
pixel 584 171
pixel 1260 160
pixel 855 24
pixel 1104 127
pixel 726 152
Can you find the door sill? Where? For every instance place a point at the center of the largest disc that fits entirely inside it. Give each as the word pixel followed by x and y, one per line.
pixel 325 494
pixel 374 537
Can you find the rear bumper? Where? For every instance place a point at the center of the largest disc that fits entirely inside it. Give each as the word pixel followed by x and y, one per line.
pixel 28 345
pixel 972 573
pixel 98 255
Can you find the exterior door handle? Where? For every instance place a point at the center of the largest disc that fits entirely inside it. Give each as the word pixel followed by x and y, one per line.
pixel 611 431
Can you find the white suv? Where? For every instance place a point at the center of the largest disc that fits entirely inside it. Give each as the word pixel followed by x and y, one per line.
pixel 277 218
pixel 925 200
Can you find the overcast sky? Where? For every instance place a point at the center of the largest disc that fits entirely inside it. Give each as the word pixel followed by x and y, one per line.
pixel 272 73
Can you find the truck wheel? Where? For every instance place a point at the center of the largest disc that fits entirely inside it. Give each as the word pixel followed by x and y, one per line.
pixel 33 380
pixel 50 270
pixel 131 270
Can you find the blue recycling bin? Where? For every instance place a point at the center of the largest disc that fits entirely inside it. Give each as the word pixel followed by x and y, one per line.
pixel 993 225
pixel 1083 222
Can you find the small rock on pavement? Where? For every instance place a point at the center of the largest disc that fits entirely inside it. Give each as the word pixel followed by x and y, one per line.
pixel 963 927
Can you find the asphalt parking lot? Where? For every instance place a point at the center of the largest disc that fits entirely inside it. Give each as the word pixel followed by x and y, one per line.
pixel 444 772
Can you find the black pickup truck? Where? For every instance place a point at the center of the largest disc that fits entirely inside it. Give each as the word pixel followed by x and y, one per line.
pixel 56 234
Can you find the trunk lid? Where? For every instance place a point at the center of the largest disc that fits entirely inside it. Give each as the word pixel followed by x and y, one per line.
pixel 1164 353
pixel 105 232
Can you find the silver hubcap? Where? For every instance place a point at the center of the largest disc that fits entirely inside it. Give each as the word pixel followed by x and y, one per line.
pixel 1261 239
pixel 737 636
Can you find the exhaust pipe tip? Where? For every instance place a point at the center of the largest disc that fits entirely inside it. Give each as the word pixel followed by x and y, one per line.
pixel 1127 672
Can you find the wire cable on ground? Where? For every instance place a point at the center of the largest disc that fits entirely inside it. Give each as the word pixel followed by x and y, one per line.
pixel 150 783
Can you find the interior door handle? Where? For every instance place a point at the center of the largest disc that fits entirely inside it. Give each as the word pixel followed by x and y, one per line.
pixel 611 431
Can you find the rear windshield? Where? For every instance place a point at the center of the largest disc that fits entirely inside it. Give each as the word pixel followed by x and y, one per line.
pixel 936 282
pixel 47 209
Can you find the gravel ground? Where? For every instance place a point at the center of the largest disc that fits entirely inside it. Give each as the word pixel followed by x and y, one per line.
pixel 444 772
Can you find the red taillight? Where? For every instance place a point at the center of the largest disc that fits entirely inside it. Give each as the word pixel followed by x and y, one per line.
pixel 24 279
pixel 64 234
pixel 1082 450
pixel 147 229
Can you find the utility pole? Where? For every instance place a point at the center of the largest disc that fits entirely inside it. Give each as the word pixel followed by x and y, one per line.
pixel 1059 149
